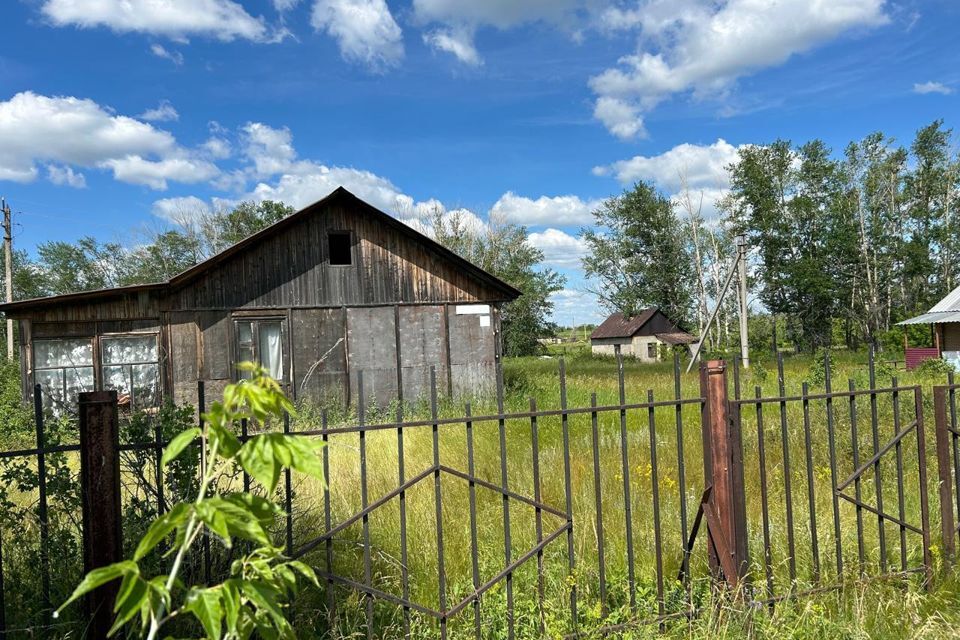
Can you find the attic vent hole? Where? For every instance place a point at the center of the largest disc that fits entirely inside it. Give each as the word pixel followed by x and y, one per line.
pixel 338 244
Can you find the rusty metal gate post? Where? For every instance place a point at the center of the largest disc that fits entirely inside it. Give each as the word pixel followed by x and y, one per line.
pixel 725 510
pixel 943 440
pixel 100 496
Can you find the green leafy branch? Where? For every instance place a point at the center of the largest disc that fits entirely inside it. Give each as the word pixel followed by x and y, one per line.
pixel 254 596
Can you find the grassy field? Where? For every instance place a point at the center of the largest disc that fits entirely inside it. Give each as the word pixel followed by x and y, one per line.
pixel 881 608
pixel 861 608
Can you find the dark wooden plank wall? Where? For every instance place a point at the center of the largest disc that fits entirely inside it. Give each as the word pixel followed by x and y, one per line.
pixel 145 304
pixel 291 269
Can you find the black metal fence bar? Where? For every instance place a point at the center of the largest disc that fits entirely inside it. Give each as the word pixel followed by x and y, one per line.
pixel 438 499
pixel 367 566
pixel 877 475
pixel 787 473
pixel 625 471
pixel 655 486
pixel 568 496
pixel 538 515
pixel 505 482
pixel 811 497
pixel 474 542
pixel 764 499
pixel 901 507
pixel 42 515
pixel 402 503
pixel 855 446
pixel 832 448
pixel 598 509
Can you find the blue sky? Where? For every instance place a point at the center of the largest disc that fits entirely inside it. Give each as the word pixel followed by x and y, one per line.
pixel 122 115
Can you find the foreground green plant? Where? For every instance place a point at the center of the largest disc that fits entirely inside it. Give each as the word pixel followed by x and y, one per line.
pixel 253 597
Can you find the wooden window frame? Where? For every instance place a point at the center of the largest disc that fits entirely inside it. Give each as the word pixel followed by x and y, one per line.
pixel 99 364
pixel 255 321
pixel 92 366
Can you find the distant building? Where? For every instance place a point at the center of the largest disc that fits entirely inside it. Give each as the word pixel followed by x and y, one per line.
pixel 944 321
pixel 644 336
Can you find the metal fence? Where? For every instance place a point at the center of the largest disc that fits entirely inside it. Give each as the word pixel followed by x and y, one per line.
pixel 490 519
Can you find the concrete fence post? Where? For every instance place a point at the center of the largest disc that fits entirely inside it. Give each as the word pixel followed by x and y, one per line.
pixel 100 498
pixel 725 510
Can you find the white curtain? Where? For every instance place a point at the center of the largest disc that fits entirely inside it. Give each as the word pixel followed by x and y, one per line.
pixel 271 349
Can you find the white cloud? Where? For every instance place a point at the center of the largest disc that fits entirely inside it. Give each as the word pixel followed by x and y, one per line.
pixel 620 117
pixel 704 47
pixel 155 173
pixel 460 20
pixel 178 19
pixel 557 210
pixel 163 112
pixel 702 166
pixel 560 249
pixel 69 130
pixel 65 176
pixel 313 181
pixel 270 149
pixel 167 54
pixel 217 148
pixel 932 87
pixel 364 30
pixel 458 41
pixel 79 132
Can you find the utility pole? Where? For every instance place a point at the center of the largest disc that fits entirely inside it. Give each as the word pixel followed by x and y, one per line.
pixel 742 264
pixel 738 267
pixel 8 255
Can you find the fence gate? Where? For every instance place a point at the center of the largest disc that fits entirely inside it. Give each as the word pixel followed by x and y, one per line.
pixel 845 472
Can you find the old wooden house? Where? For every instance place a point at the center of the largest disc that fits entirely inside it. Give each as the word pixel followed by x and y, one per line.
pixel 334 289
pixel 644 336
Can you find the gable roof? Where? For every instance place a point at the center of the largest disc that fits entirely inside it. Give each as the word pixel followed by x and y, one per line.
pixel 947 310
pixel 338 196
pixel 619 326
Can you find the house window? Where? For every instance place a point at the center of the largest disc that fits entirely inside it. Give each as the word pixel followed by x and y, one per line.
pixel 131 366
pixel 339 248
pixel 63 367
pixel 652 350
pixel 261 341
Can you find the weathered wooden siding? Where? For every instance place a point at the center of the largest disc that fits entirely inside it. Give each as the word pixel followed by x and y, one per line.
pixel 291 269
pixel 951 336
pixel 473 352
pixel 423 343
pixel 183 364
pixel 144 304
pixel 372 348
pixel 320 354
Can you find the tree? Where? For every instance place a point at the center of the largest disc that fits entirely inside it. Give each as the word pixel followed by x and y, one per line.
pixel 637 255
pixel 503 250
pixel 88 264
pixel 224 229
pixel 170 253
pixel 788 202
